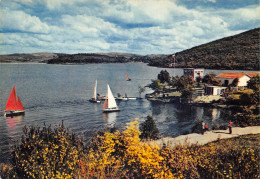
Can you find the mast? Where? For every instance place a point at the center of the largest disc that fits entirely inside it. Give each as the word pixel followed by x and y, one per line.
pixel 95 91
pixel 173 56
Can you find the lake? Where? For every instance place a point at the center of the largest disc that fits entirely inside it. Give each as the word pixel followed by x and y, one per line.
pixel 52 93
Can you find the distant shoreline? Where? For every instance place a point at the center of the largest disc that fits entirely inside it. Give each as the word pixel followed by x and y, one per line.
pixel 15 62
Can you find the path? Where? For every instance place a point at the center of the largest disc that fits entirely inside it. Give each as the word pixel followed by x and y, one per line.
pixel 209 136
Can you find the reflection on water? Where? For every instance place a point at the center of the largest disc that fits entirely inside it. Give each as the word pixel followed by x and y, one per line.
pixel 14 121
pixel 215 114
pixel 173 119
pixel 110 119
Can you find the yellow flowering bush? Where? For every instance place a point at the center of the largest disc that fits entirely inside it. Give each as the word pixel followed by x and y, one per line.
pixel 58 153
pixel 122 154
pixel 47 153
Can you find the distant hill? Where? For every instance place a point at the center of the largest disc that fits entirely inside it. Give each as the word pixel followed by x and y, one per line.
pixel 83 58
pixel 27 58
pixel 112 57
pixel 240 52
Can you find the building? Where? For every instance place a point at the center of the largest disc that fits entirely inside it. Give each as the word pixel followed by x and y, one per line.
pixel 214 90
pixel 227 78
pixel 194 73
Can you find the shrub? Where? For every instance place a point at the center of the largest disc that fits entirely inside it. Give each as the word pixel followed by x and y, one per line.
pixel 124 155
pixel 47 153
pixel 149 129
pixel 164 76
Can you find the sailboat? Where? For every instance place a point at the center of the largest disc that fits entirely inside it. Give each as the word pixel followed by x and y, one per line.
pixel 14 106
pixel 94 99
pixel 127 77
pixel 110 102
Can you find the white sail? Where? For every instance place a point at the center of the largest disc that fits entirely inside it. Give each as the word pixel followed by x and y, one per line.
pixel 111 99
pixel 95 91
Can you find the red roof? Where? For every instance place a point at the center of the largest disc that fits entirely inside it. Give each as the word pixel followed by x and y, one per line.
pixel 252 74
pixel 236 75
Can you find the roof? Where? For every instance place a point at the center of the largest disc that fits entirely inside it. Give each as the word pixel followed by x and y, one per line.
pixel 252 74
pixel 236 75
pixel 193 68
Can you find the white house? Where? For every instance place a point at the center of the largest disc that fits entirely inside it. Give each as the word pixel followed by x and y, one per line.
pixel 214 90
pixel 194 73
pixel 243 78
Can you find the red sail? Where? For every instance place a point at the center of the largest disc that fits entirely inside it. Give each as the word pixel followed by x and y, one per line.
pixel 127 77
pixel 105 104
pixel 13 102
pixel 19 104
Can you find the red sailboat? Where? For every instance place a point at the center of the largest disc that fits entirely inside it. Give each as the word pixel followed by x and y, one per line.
pixel 14 106
pixel 127 77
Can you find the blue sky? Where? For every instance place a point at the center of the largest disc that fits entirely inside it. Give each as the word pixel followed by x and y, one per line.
pixel 132 26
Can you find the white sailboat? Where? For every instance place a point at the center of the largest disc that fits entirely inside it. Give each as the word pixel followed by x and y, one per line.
pixel 94 99
pixel 110 102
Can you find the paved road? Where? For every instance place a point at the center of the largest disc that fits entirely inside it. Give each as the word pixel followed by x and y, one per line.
pixel 209 136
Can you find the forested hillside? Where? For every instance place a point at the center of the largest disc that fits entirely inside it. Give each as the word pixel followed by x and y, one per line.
pixel 235 52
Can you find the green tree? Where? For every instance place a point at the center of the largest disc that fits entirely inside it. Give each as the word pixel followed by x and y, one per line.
pixel 245 99
pixel 164 76
pixel 211 79
pixel 253 83
pixel 235 82
pixel 186 93
pixel 149 129
pixel 183 82
pixel 245 117
pixel 156 85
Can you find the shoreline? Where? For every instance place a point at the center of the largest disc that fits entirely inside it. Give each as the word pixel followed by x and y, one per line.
pixel 85 63
pixel 209 136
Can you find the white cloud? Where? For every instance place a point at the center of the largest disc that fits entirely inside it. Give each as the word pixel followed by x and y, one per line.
pixel 57 4
pixel 20 21
pixel 136 26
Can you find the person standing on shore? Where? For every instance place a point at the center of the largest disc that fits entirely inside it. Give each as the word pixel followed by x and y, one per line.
pixel 206 127
pixel 202 127
pixel 230 127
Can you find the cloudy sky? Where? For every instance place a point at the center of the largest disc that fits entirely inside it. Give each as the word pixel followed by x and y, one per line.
pixel 133 26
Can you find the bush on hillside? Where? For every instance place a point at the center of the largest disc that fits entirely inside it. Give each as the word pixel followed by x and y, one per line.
pixel 46 153
pixel 164 76
pixel 149 129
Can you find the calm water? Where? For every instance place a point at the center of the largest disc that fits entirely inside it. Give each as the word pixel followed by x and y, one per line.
pixel 52 93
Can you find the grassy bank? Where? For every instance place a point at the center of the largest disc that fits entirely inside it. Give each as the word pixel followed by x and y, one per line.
pixel 59 153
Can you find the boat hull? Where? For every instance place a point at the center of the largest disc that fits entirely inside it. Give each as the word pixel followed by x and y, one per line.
pixel 131 98
pixel 121 98
pixel 107 110
pixel 14 113
pixel 94 101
